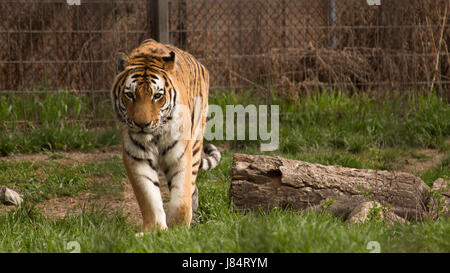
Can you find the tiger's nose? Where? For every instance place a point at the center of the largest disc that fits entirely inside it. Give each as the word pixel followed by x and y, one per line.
pixel 143 125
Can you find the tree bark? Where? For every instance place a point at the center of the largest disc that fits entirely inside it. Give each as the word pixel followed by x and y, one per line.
pixel 265 182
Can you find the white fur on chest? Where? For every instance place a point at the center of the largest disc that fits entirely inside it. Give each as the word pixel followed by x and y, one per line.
pixel 155 146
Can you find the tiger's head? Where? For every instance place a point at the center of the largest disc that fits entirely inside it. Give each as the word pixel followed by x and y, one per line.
pixel 143 93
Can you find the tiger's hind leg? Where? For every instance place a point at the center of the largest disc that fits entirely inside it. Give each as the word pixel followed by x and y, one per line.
pixel 195 199
pixel 196 158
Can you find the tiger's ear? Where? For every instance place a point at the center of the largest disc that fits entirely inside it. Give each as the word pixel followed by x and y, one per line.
pixel 121 61
pixel 169 61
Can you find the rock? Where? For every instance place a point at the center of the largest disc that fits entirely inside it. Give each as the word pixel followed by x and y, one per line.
pixel 442 186
pixel 340 207
pixel 394 218
pixel 361 212
pixel 9 197
pixel 440 197
pixel 372 210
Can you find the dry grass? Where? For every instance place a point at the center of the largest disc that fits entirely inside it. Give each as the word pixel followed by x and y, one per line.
pixel 67 45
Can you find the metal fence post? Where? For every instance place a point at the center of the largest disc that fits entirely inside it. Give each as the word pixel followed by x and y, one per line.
pixel 332 21
pixel 159 15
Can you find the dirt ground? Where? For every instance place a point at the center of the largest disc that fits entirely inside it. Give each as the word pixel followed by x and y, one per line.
pixel 412 165
pixel 62 206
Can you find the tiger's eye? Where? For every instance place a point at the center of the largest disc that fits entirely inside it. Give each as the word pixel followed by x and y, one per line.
pixel 129 95
pixel 157 96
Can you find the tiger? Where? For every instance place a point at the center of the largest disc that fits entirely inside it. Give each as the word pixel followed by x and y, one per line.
pixel 160 99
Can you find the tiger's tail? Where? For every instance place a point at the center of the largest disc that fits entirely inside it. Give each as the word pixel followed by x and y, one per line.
pixel 212 157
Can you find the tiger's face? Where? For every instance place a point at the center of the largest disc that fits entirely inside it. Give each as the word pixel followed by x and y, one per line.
pixel 147 97
pixel 144 100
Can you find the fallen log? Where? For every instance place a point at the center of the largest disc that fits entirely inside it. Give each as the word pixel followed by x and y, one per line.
pixel 265 182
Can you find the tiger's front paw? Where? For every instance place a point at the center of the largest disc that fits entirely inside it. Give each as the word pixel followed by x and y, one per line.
pixel 139 234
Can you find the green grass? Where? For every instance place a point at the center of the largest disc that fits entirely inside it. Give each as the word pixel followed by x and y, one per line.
pixel 354 123
pixel 31 123
pixel 442 170
pixel 218 228
pixel 42 180
pixel 351 130
pixel 56 137
pixel 333 129
pixel 326 119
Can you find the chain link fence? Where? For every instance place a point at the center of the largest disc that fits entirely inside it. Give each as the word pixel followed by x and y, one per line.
pixel 293 46
pixel 287 47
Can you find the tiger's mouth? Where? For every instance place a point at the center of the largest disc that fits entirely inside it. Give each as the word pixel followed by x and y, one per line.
pixel 147 129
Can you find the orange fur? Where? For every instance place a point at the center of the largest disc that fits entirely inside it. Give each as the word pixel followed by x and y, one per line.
pixel 190 80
